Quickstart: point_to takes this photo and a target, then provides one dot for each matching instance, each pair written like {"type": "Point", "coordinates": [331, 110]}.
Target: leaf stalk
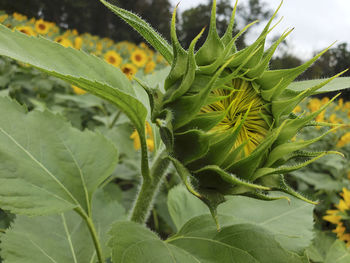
{"type": "Point", "coordinates": [92, 230]}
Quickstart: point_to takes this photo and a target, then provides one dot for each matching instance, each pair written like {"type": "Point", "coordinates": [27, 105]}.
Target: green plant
{"type": "Point", "coordinates": [60, 176]}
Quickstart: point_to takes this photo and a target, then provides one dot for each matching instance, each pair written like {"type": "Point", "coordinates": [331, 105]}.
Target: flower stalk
{"type": "Point", "coordinates": [149, 189]}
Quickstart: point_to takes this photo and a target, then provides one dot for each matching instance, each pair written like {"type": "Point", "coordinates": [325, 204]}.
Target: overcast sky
{"type": "Point", "coordinates": [317, 23]}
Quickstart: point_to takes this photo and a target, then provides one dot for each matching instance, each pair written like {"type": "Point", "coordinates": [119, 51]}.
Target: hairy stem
{"type": "Point", "coordinates": [95, 239]}
{"type": "Point", "coordinates": [149, 189]}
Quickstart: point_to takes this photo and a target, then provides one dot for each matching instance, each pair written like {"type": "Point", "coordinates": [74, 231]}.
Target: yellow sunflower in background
{"type": "Point", "coordinates": [26, 30]}
{"type": "Point", "coordinates": [345, 139]}
{"type": "Point", "coordinates": [78, 90]}
{"type": "Point", "coordinates": [78, 42]}
{"type": "Point", "coordinates": [150, 140]}
{"type": "Point", "coordinates": [54, 28]}
{"type": "Point", "coordinates": [42, 27]}
{"type": "Point", "coordinates": [150, 66]}
{"type": "Point", "coordinates": [129, 70]}
{"type": "Point", "coordinates": [31, 21]}
{"type": "Point", "coordinates": [19, 17]}
{"type": "Point", "coordinates": [340, 104]}
{"type": "Point", "coordinates": [314, 105]}
{"type": "Point", "coordinates": [139, 58]}
{"type": "Point", "coordinates": [99, 46]}
{"type": "Point", "coordinates": [3, 18]}
{"type": "Point", "coordinates": [341, 217]}
{"type": "Point", "coordinates": [297, 109]}
{"type": "Point", "coordinates": [113, 58]}
{"type": "Point", "coordinates": [64, 41]}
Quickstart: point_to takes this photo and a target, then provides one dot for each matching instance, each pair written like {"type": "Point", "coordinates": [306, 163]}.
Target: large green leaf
{"type": "Point", "coordinates": [235, 243]}
{"type": "Point", "coordinates": [338, 253]}
{"type": "Point", "coordinates": [290, 223]}
{"type": "Point", "coordinates": [131, 242]}
{"type": "Point", "coordinates": [183, 206]}
{"type": "Point", "coordinates": [320, 181]}
{"type": "Point", "coordinates": [245, 243]}
{"type": "Point", "coordinates": [46, 165]}
{"type": "Point", "coordinates": [144, 29]}
{"type": "Point", "coordinates": [339, 83]}
{"type": "Point", "coordinates": [60, 238]}
{"type": "Point", "coordinates": [79, 68]}
{"type": "Point", "coordinates": [320, 246]}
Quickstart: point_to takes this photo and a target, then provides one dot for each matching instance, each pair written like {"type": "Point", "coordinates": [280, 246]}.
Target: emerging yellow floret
{"type": "Point", "coordinates": [240, 101]}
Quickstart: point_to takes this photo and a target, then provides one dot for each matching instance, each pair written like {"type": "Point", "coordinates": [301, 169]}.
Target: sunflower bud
{"type": "Point", "coordinates": [227, 120]}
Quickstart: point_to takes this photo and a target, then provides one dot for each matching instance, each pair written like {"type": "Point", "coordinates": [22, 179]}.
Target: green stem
{"type": "Point", "coordinates": [107, 181]}
{"type": "Point", "coordinates": [155, 219]}
{"type": "Point", "coordinates": [116, 117]}
{"type": "Point", "coordinates": [149, 189]}
{"type": "Point", "coordinates": [92, 229]}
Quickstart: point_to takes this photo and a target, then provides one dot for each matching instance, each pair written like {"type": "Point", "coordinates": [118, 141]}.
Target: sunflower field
{"type": "Point", "coordinates": [124, 152]}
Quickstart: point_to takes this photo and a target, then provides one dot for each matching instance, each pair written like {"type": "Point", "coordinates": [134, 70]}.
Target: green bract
{"type": "Point", "coordinates": [227, 120]}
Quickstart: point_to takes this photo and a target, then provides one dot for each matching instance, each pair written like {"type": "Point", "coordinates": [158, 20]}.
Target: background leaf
{"type": "Point", "coordinates": [183, 206]}
{"type": "Point", "coordinates": [339, 83]}
{"type": "Point", "coordinates": [291, 224]}
{"type": "Point", "coordinates": [321, 181]}
{"type": "Point", "coordinates": [338, 253]}
{"type": "Point", "coordinates": [246, 243]}
{"type": "Point", "coordinates": [60, 238]}
{"type": "Point", "coordinates": [46, 165]}
{"type": "Point", "coordinates": [320, 246]}
{"type": "Point", "coordinates": [131, 242]}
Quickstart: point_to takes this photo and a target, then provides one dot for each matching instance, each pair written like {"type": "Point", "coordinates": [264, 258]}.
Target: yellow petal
{"type": "Point", "coordinates": [332, 212]}
{"type": "Point", "coordinates": [339, 230]}
{"type": "Point", "coordinates": [150, 145]}
{"type": "Point", "coordinates": [334, 219]}
{"type": "Point", "coordinates": [346, 196]}
{"type": "Point", "coordinates": [345, 237]}
{"type": "Point", "coordinates": [342, 206]}
{"type": "Point", "coordinates": [136, 138]}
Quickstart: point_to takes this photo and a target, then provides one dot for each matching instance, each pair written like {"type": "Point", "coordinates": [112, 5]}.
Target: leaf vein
{"type": "Point", "coordinates": [39, 164]}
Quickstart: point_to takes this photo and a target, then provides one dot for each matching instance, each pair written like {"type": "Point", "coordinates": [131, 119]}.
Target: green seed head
{"type": "Point", "coordinates": [227, 120]}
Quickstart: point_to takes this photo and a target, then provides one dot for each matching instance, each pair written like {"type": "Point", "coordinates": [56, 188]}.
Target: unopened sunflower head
{"type": "Point", "coordinates": [227, 120]}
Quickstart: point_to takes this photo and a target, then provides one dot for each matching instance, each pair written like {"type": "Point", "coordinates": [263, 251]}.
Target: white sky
{"type": "Point", "coordinates": [317, 23]}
